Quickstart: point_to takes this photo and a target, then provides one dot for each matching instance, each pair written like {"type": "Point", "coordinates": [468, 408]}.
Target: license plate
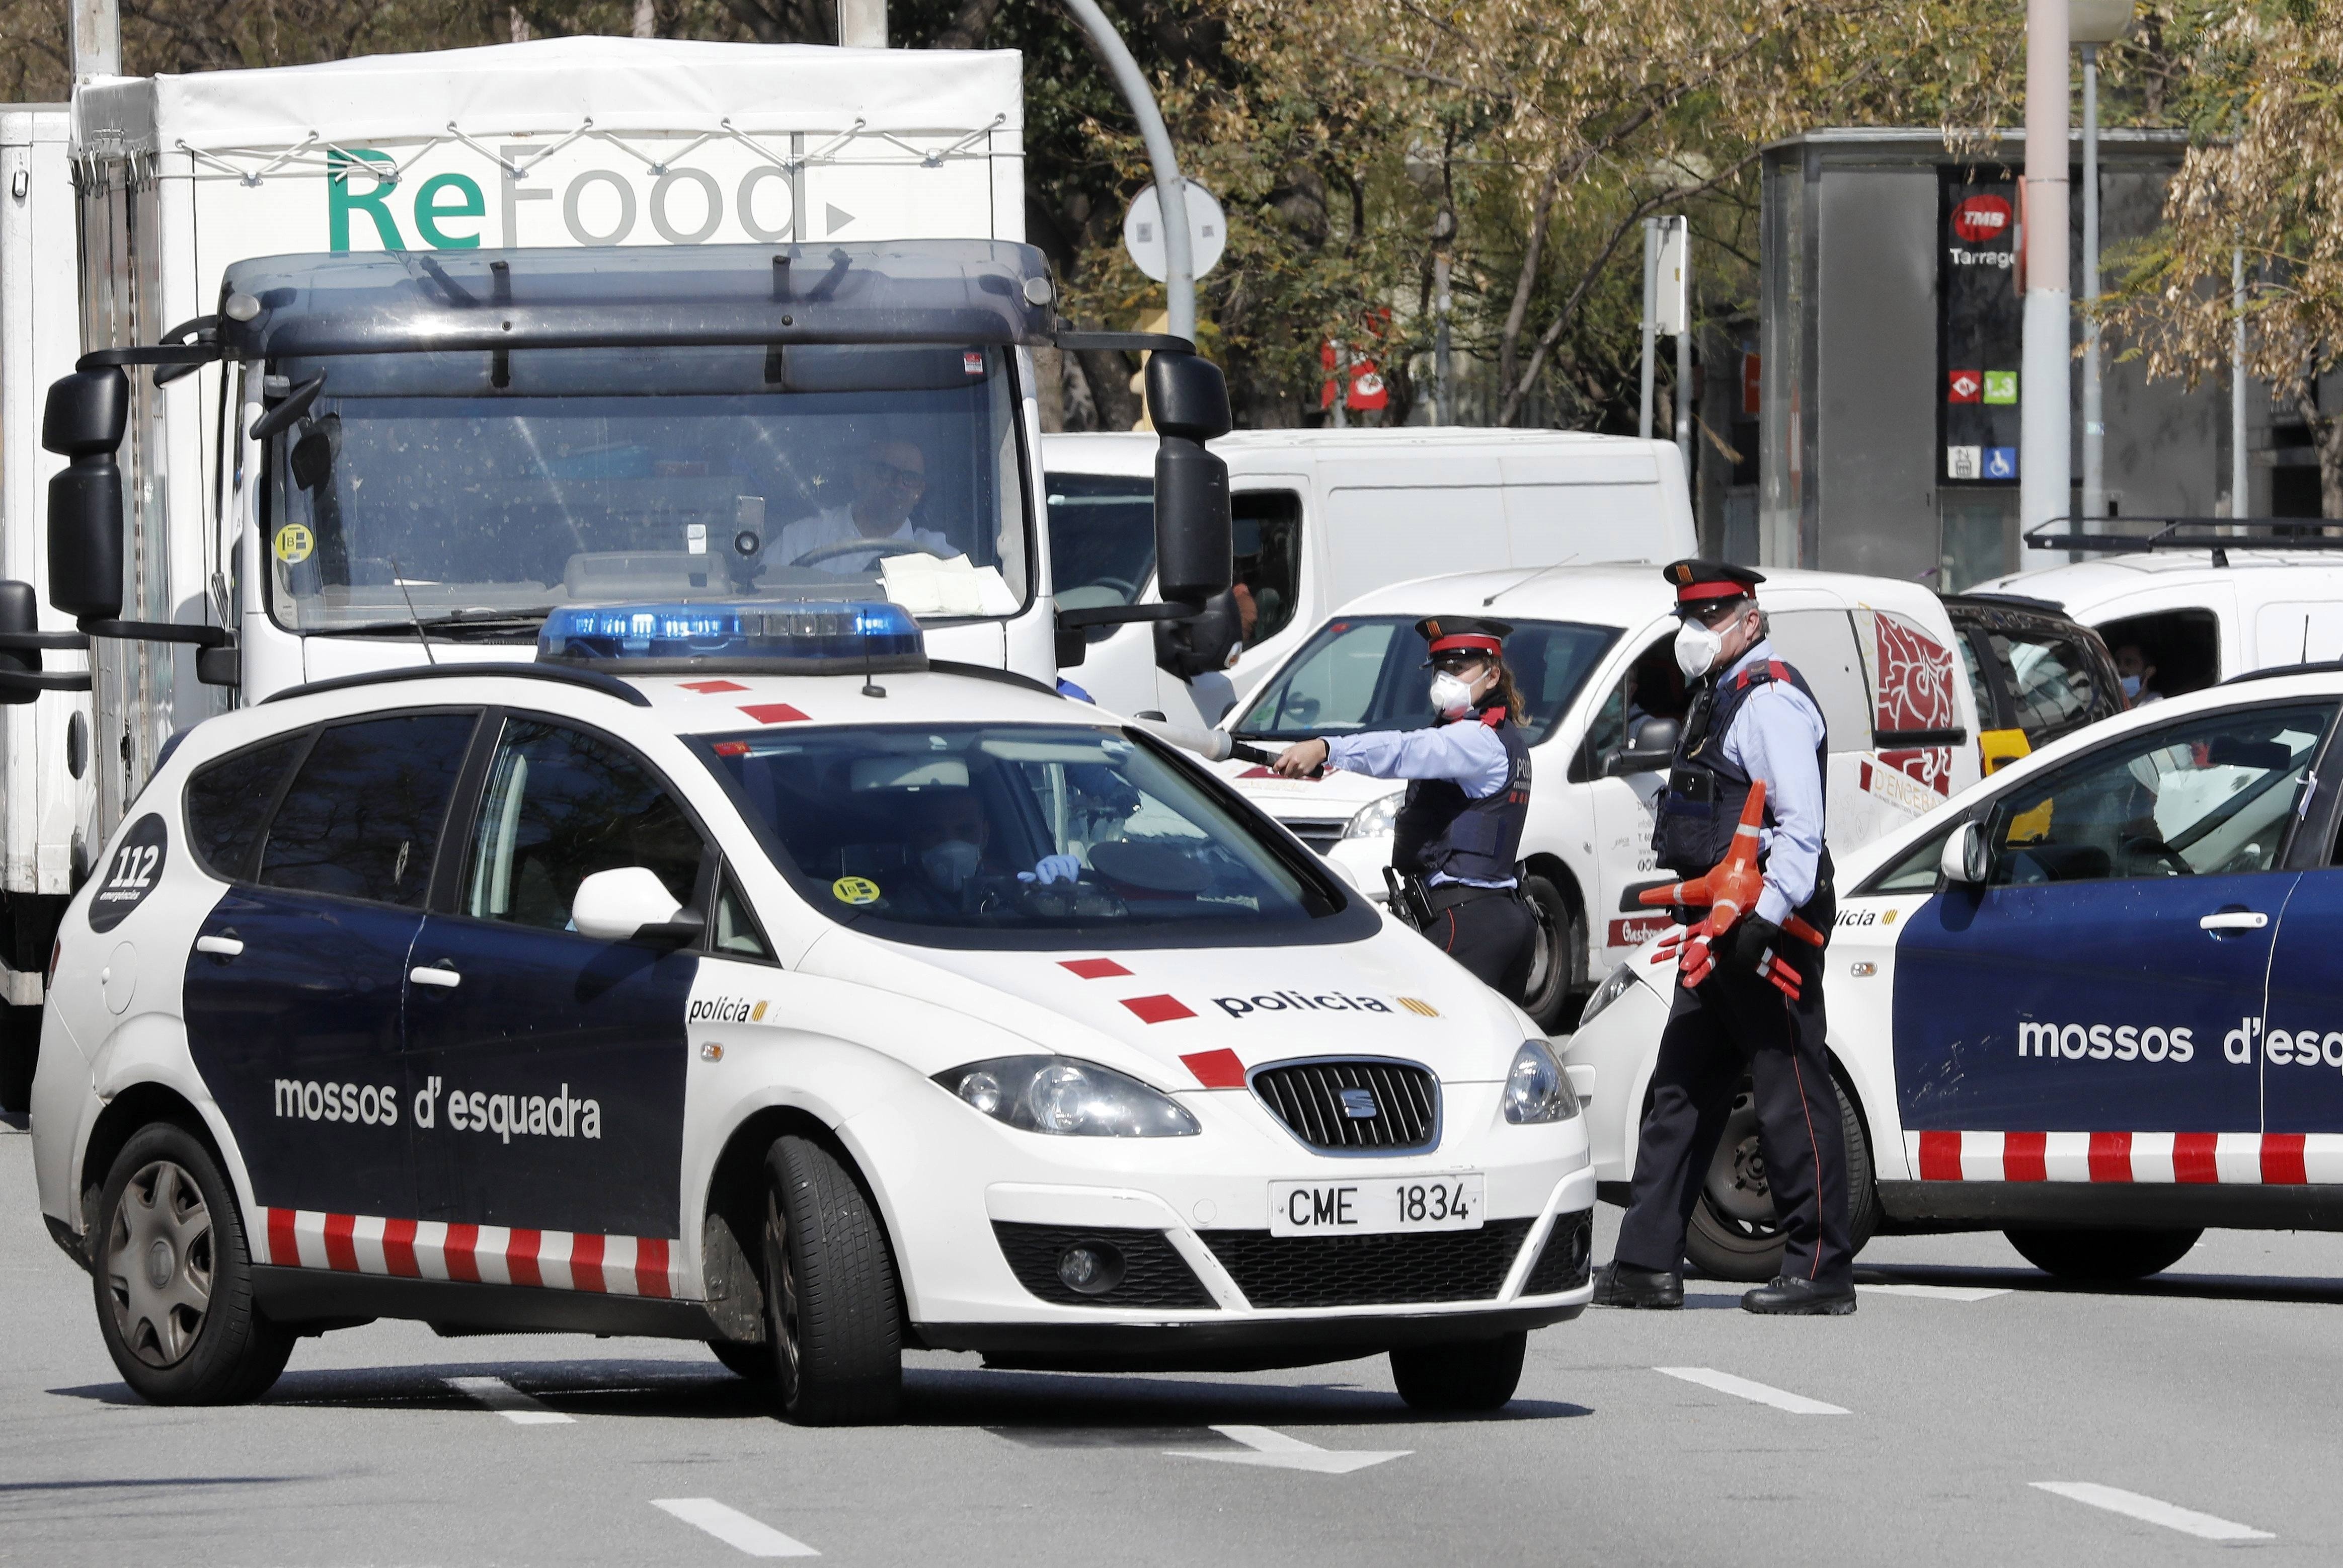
{"type": "Point", "coordinates": [1377, 1205]}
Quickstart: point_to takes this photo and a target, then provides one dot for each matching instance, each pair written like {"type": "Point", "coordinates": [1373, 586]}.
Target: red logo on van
{"type": "Point", "coordinates": [1981, 219]}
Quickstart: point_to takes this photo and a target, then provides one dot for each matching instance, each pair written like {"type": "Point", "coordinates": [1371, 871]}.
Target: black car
{"type": "Point", "coordinates": [2037, 674]}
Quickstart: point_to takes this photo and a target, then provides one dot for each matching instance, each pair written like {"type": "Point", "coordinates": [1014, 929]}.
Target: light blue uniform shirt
{"type": "Point", "coordinates": [1774, 738]}
{"type": "Point", "coordinates": [1466, 753]}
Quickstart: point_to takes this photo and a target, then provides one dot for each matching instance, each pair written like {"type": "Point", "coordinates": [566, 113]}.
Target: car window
{"type": "Point", "coordinates": [1101, 541]}
{"type": "Point", "coordinates": [1651, 687]}
{"type": "Point", "coordinates": [737, 932]}
{"type": "Point", "coordinates": [362, 819]}
{"type": "Point", "coordinates": [1267, 533]}
{"type": "Point", "coordinates": [2050, 679]}
{"type": "Point", "coordinates": [1367, 672]}
{"type": "Point", "coordinates": [2212, 796]}
{"type": "Point", "coordinates": [228, 800]}
{"type": "Point", "coordinates": [560, 805]}
{"type": "Point", "coordinates": [1820, 645]}
{"type": "Point", "coordinates": [1916, 872]}
{"type": "Point", "coordinates": [1988, 704]}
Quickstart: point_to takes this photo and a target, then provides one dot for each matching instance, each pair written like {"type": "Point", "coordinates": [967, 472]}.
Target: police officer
{"type": "Point", "coordinates": [1468, 797]}
{"type": "Point", "coordinates": [1753, 718]}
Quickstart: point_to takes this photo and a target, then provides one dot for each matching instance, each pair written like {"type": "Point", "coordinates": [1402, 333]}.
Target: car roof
{"type": "Point", "coordinates": [1128, 453]}
{"type": "Point", "coordinates": [2078, 586]}
{"type": "Point", "coordinates": [1624, 594]}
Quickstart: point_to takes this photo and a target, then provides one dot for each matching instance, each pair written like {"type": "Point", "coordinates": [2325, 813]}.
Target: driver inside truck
{"type": "Point", "coordinates": [889, 480]}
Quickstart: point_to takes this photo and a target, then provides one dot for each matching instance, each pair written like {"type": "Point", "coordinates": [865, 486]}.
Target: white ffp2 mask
{"type": "Point", "coordinates": [1450, 693]}
{"type": "Point", "coordinates": [1698, 647]}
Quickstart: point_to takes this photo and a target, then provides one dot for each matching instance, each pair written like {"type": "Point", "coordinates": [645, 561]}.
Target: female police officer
{"type": "Point", "coordinates": [1468, 797]}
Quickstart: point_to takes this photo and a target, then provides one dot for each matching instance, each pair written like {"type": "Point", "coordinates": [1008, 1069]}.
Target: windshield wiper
{"type": "Point", "coordinates": [489, 621]}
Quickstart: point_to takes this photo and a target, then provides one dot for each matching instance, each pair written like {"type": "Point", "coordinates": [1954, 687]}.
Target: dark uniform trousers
{"type": "Point", "coordinates": [1737, 1023]}
{"type": "Point", "coordinates": [1489, 933]}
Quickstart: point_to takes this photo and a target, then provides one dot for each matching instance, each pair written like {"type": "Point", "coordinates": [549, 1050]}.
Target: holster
{"type": "Point", "coordinates": [1409, 899]}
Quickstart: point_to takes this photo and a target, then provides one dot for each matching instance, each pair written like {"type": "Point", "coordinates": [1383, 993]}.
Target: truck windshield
{"type": "Point", "coordinates": [483, 489]}
{"type": "Point", "coordinates": [969, 834]}
{"type": "Point", "coordinates": [1366, 672]}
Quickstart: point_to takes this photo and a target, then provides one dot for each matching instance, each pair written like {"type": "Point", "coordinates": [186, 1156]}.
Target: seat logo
{"type": "Point", "coordinates": [1359, 1104]}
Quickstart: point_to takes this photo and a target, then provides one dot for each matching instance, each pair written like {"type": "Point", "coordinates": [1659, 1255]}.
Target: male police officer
{"type": "Point", "coordinates": [1753, 719]}
{"type": "Point", "coordinates": [1460, 827]}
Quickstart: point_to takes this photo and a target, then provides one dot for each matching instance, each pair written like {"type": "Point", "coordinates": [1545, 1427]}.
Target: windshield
{"type": "Point", "coordinates": [966, 834]}
{"type": "Point", "coordinates": [482, 489]}
{"type": "Point", "coordinates": [1102, 539]}
{"type": "Point", "coordinates": [1366, 672]}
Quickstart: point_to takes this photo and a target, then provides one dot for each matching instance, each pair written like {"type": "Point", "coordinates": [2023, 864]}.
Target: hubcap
{"type": "Point", "coordinates": [1736, 1190]}
{"type": "Point", "coordinates": [159, 1261]}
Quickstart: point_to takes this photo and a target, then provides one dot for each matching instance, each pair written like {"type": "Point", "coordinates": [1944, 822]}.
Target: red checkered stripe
{"type": "Point", "coordinates": [481, 1254]}
{"type": "Point", "coordinates": [2229, 1159]}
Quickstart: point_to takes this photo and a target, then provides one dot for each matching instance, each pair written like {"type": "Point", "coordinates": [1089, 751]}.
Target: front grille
{"type": "Point", "coordinates": [1153, 1273]}
{"type": "Point", "coordinates": [1319, 835]}
{"type": "Point", "coordinates": [1394, 1106]}
{"type": "Point", "coordinates": [1370, 1271]}
{"type": "Point", "coordinates": [1561, 1261]}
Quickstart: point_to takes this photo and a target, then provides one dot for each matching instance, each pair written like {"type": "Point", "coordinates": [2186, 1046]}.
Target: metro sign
{"type": "Point", "coordinates": [1981, 219]}
{"type": "Point", "coordinates": [1964, 386]}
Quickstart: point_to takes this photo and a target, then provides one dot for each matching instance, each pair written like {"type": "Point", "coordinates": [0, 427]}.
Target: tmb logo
{"type": "Point", "coordinates": [1982, 219]}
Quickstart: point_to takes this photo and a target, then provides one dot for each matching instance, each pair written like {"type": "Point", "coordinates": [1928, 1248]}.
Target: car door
{"type": "Point", "coordinates": [1619, 805]}
{"type": "Point", "coordinates": [550, 1066]}
{"type": "Point", "coordinates": [294, 992]}
{"type": "Point", "coordinates": [2301, 1042]}
{"type": "Point", "coordinates": [2108, 975]}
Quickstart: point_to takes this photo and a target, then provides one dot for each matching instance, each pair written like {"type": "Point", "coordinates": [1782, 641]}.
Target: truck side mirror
{"type": "Point", "coordinates": [1188, 403]}
{"type": "Point", "coordinates": [1199, 644]}
{"type": "Point", "coordinates": [87, 413]}
{"type": "Point", "coordinates": [1651, 747]}
{"type": "Point", "coordinates": [20, 613]}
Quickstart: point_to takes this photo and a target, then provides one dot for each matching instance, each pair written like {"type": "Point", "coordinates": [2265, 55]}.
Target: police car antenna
{"type": "Point", "coordinates": [869, 687]}
{"type": "Point", "coordinates": [398, 575]}
{"type": "Point", "coordinates": [1529, 580]}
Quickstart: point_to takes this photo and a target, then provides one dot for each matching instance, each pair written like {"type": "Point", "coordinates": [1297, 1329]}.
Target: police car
{"type": "Point", "coordinates": [739, 975]}
{"type": "Point", "coordinates": [2096, 1002]}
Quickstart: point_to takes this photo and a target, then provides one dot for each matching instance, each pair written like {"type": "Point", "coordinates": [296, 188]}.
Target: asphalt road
{"type": "Point", "coordinates": [1928, 1428]}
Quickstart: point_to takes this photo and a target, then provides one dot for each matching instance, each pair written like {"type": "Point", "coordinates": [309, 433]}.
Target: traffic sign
{"type": "Point", "coordinates": [1143, 231]}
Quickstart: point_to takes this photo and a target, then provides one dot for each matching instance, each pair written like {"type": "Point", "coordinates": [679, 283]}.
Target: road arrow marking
{"type": "Point", "coordinates": [1276, 1450]}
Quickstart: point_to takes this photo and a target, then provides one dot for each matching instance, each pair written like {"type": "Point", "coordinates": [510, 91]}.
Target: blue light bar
{"type": "Point", "coordinates": [793, 639]}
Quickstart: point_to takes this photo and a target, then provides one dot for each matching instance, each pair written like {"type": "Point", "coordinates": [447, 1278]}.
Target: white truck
{"type": "Point", "coordinates": [386, 358]}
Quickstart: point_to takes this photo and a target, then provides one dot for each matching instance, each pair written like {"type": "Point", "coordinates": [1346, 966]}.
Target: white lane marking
{"type": "Point", "coordinates": [733, 1527]}
{"type": "Point", "coordinates": [507, 1401]}
{"type": "Point", "coordinates": [2116, 1500]}
{"type": "Point", "coordinates": [1763, 1393]}
{"type": "Point", "coordinates": [1275, 1450]}
{"type": "Point", "coordinates": [1935, 1292]}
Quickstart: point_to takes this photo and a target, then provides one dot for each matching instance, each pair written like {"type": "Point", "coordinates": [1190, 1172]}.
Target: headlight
{"type": "Point", "coordinates": [1374, 819]}
{"type": "Point", "coordinates": [1536, 1088]}
{"type": "Point", "coordinates": [1070, 1098]}
{"type": "Point", "coordinates": [1622, 979]}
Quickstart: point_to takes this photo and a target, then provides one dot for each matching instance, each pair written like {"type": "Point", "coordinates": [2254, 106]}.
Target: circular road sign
{"type": "Point", "coordinates": [1143, 231]}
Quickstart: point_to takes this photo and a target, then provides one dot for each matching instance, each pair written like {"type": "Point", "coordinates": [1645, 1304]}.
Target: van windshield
{"type": "Point", "coordinates": [1366, 672]}
{"type": "Point", "coordinates": [482, 489]}
{"type": "Point", "coordinates": [961, 834]}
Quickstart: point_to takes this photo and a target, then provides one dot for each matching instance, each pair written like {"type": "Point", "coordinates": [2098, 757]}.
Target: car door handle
{"type": "Point", "coordinates": [2234, 921]}
{"type": "Point", "coordinates": [227, 947]}
{"type": "Point", "coordinates": [431, 974]}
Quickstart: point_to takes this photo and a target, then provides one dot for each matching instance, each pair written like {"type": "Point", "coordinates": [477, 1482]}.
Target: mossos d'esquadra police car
{"type": "Point", "coordinates": [738, 975]}
{"type": "Point", "coordinates": [2096, 1002]}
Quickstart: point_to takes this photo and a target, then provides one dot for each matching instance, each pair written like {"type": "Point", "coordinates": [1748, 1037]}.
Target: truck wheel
{"type": "Point", "coordinates": [2103, 1256]}
{"type": "Point", "coordinates": [1476, 1375]}
{"type": "Point", "coordinates": [1558, 942]}
{"type": "Point", "coordinates": [754, 1362]}
{"type": "Point", "coordinates": [1735, 1233]}
{"type": "Point", "coordinates": [830, 1311]}
{"type": "Point", "coordinates": [174, 1278]}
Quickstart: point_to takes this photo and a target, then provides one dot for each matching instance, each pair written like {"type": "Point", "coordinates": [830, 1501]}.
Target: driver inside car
{"type": "Point", "coordinates": [889, 480]}
{"type": "Point", "coordinates": [949, 839]}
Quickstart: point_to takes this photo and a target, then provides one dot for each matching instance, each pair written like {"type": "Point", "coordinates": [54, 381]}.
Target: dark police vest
{"type": "Point", "coordinates": [1705, 793]}
{"type": "Point", "coordinates": [1440, 829]}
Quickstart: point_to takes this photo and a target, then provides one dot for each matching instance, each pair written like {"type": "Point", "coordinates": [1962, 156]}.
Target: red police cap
{"type": "Point", "coordinates": [1461, 635]}
{"type": "Point", "coordinates": [1701, 582]}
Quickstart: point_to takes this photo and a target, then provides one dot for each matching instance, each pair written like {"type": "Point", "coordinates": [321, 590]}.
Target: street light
{"type": "Point", "coordinates": [2089, 25]}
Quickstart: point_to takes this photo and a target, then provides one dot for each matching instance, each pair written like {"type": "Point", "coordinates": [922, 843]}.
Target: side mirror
{"type": "Point", "coordinates": [279, 419]}
{"type": "Point", "coordinates": [87, 413]}
{"type": "Point", "coordinates": [1188, 403]}
{"type": "Point", "coordinates": [20, 613]}
{"type": "Point", "coordinates": [1967, 857]}
{"type": "Point", "coordinates": [1651, 747]}
{"type": "Point", "coordinates": [630, 903]}
{"type": "Point", "coordinates": [1200, 644]}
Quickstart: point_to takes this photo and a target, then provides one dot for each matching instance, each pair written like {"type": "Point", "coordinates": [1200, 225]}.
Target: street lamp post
{"type": "Point", "coordinates": [2045, 426]}
{"type": "Point", "coordinates": [2090, 25]}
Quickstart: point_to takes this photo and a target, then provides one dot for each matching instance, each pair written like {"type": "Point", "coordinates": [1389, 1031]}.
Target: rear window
{"type": "Point", "coordinates": [363, 816]}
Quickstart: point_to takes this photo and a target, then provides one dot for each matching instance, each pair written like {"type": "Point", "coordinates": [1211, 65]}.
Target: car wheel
{"type": "Point", "coordinates": [1735, 1233]}
{"type": "Point", "coordinates": [2103, 1256]}
{"type": "Point", "coordinates": [1476, 1375]}
{"type": "Point", "coordinates": [830, 1312]}
{"type": "Point", "coordinates": [1557, 939]}
{"type": "Point", "coordinates": [174, 1278]}
{"type": "Point", "coordinates": [754, 1362]}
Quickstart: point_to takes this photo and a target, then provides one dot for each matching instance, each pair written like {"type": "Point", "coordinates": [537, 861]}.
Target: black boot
{"type": "Point", "coordinates": [1800, 1297]}
{"type": "Point", "coordinates": [1620, 1284]}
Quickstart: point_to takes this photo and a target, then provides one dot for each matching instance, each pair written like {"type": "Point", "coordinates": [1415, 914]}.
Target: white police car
{"type": "Point", "coordinates": [738, 975]}
{"type": "Point", "coordinates": [2096, 1002]}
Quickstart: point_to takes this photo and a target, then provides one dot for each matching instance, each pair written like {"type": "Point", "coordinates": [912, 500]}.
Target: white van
{"type": "Point", "coordinates": [1590, 646]}
{"type": "Point", "coordinates": [1324, 516]}
{"type": "Point", "coordinates": [2201, 615]}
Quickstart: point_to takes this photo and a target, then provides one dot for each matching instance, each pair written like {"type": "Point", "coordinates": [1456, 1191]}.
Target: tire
{"type": "Point", "coordinates": [1735, 1233]}
{"type": "Point", "coordinates": [1557, 955]}
{"type": "Point", "coordinates": [2103, 1256]}
{"type": "Point", "coordinates": [832, 1312]}
{"type": "Point", "coordinates": [754, 1362]}
{"type": "Point", "coordinates": [1476, 1375]}
{"type": "Point", "coordinates": [193, 1336]}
